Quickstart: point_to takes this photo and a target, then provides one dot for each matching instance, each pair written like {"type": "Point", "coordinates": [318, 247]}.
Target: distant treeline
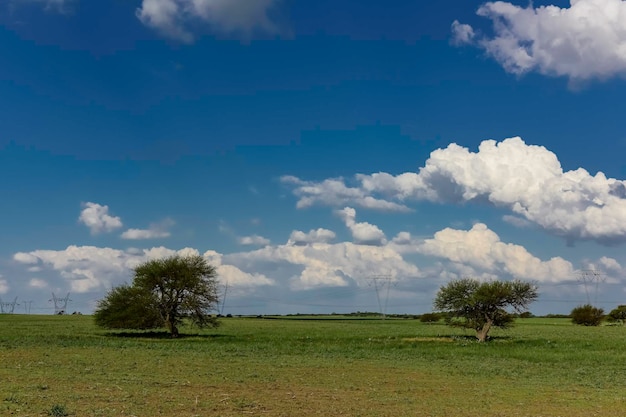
{"type": "Point", "coordinates": [424, 317]}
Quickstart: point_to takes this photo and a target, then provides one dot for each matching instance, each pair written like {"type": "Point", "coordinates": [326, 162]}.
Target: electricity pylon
{"type": "Point", "coordinates": [591, 277]}
{"type": "Point", "coordinates": [27, 305]}
{"type": "Point", "coordinates": [381, 283]}
{"type": "Point", "coordinates": [8, 307]}
{"type": "Point", "coordinates": [60, 304]}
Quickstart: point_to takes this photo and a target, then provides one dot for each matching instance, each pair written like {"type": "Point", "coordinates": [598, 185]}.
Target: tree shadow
{"type": "Point", "coordinates": [162, 335]}
{"type": "Point", "coordinates": [472, 338]}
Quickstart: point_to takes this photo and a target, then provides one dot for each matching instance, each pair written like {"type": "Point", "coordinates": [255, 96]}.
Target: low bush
{"type": "Point", "coordinates": [618, 315]}
{"type": "Point", "coordinates": [587, 315]}
{"type": "Point", "coordinates": [430, 317]}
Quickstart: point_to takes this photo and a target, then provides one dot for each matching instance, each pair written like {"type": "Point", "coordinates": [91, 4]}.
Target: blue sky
{"type": "Point", "coordinates": [307, 148]}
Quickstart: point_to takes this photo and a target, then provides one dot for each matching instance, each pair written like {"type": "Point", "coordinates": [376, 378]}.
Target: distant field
{"type": "Point", "coordinates": [55, 365]}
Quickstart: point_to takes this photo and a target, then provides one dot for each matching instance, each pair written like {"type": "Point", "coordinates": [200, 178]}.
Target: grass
{"type": "Point", "coordinates": [295, 367]}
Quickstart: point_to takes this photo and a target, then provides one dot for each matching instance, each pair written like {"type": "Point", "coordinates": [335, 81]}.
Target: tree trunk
{"type": "Point", "coordinates": [481, 334]}
{"type": "Point", "coordinates": [171, 327]}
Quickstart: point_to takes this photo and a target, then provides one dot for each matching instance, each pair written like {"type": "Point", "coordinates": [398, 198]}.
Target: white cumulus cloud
{"type": "Point", "coordinates": [4, 286]}
{"type": "Point", "coordinates": [527, 180]}
{"type": "Point", "coordinates": [233, 276]}
{"type": "Point", "coordinates": [363, 233]}
{"type": "Point", "coordinates": [253, 240]}
{"type": "Point", "coordinates": [461, 33]}
{"type": "Point", "coordinates": [334, 192]}
{"type": "Point", "coordinates": [95, 269]}
{"type": "Point", "coordinates": [482, 249]}
{"type": "Point", "coordinates": [586, 40]}
{"type": "Point", "coordinates": [176, 18]}
{"type": "Point", "coordinates": [320, 235]}
{"type": "Point", "coordinates": [25, 258]}
{"type": "Point", "coordinates": [329, 265]}
{"type": "Point", "coordinates": [156, 230]}
{"type": "Point", "coordinates": [138, 234]}
{"type": "Point", "coordinates": [37, 283]}
{"type": "Point", "coordinates": [97, 218]}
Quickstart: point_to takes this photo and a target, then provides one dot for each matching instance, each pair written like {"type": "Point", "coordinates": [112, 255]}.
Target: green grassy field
{"type": "Point", "coordinates": [56, 365]}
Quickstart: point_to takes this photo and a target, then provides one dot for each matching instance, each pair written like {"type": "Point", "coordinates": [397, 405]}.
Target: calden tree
{"type": "Point", "coordinates": [480, 305]}
{"type": "Point", "coordinates": [164, 292]}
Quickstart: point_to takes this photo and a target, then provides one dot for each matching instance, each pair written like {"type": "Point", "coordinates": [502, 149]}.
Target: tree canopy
{"type": "Point", "coordinates": [618, 315]}
{"type": "Point", "coordinates": [164, 292]}
{"type": "Point", "coordinates": [480, 305]}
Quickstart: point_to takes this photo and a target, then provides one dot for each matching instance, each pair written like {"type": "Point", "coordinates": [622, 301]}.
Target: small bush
{"type": "Point", "coordinates": [587, 315]}
{"type": "Point", "coordinates": [58, 411]}
{"type": "Point", "coordinates": [618, 315]}
{"type": "Point", "coordinates": [430, 317]}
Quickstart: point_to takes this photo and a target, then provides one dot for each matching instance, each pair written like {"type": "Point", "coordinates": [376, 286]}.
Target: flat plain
{"type": "Point", "coordinates": [310, 366]}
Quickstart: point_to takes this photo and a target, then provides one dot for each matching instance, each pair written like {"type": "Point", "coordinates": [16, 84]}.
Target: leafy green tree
{"type": "Point", "coordinates": [618, 315]}
{"type": "Point", "coordinates": [587, 315]}
{"type": "Point", "coordinates": [127, 307]}
{"type": "Point", "coordinates": [164, 292]}
{"type": "Point", "coordinates": [482, 305]}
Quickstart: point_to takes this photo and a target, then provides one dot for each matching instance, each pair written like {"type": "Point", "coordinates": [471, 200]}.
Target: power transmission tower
{"type": "Point", "coordinates": [591, 278]}
{"type": "Point", "coordinates": [60, 304]}
{"type": "Point", "coordinates": [224, 298]}
{"type": "Point", "coordinates": [8, 307]}
{"type": "Point", "coordinates": [27, 305]}
{"type": "Point", "coordinates": [381, 283]}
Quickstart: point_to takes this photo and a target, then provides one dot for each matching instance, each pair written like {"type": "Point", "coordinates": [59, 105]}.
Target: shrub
{"type": "Point", "coordinates": [430, 317]}
{"type": "Point", "coordinates": [58, 411]}
{"type": "Point", "coordinates": [587, 315]}
{"type": "Point", "coordinates": [618, 315]}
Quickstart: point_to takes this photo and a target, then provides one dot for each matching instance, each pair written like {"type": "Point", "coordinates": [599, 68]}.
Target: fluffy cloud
{"type": "Point", "coordinates": [4, 286]}
{"type": "Point", "coordinates": [37, 283]}
{"type": "Point", "coordinates": [328, 265]}
{"type": "Point", "coordinates": [25, 258]}
{"type": "Point", "coordinates": [234, 277]}
{"type": "Point", "coordinates": [92, 269]}
{"type": "Point", "coordinates": [138, 234]}
{"type": "Point", "coordinates": [97, 218]}
{"type": "Point", "coordinates": [253, 240]}
{"type": "Point", "coordinates": [526, 179]}
{"type": "Point", "coordinates": [363, 233]}
{"type": "Point", "coordinates": [584, 41]}
{"type": "Point", "coordinates": [342, 272]}
{"type": "Point", "coordinates": [516, 221]}
{"type": "Point", "coordinates": [334, 192]}
{"type": "Point", "coordinates": [462, 33]}
{"type": "Point", "coordinates": [481, 249]}
{"type": "Point", "coordinates": [175, 18]}
{"type": "Point", "coordinates": [320, 235]}
{"type": "Point", "coordinates": [156, 230]}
